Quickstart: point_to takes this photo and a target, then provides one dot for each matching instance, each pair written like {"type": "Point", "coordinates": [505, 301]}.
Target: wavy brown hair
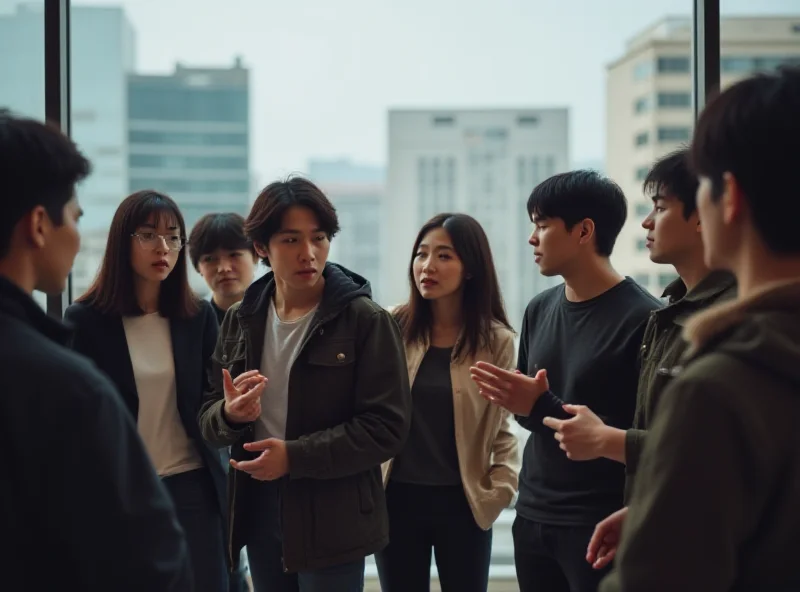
{"type": "Point", "coordinates": [113, 291]}
{"type": "Point", "coordinates": [482, 302]}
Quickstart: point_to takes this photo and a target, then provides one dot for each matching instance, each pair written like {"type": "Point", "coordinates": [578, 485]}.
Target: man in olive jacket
{"type": "Point", "coordinates": [310, 389]}
{"type": "Point", "coordinates": [715, 507]}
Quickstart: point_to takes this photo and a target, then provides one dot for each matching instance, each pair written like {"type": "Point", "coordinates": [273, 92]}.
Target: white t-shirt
{"type": "Point", "coordinates": [150, 347]}
{"type": "Point", "coordinates": [282, 342]}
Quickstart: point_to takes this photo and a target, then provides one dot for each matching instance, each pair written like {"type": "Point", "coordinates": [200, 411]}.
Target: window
{"type": "Point", "coordinates": [674, 134]}
{"type": "Point", "coordinates": [643, 210]}
{"type": "Point", "coordinates": [527, 120]}
{"type": "Point", "coordinates": [738, 65]}
{"type": "Point", "coordinates": [641, 173]}
{"type": "Point", "coordinates": [674, 100]}
{"type": "Point", "coordinates": [643, 70]}
{"type": "Point", "coordinates": [166, 99]}
{"type": "Point", "coordinates": [443, 121]}
{"type": "Point", "coordinates": [641, 139]}
{"type": "Point", "coordinates": [186, 162]}
{"type": "Point", "coordinates": [641, 244]}
{"type": "Point", "coordinates": [673, 65]}
{"type": "Point", "coordinates": [641, 105]}
{"type": "Point", "coordinates": [187, 138]}
{"type": "Point", "coordinates": [643, 279]}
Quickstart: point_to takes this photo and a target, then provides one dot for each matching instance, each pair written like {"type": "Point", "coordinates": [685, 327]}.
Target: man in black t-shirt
{"type": "Point", "coordinates": [581, 339]}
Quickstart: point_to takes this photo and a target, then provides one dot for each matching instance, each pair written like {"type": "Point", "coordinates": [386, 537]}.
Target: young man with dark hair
{"type": "Point", "coordinates": [79, 489]}
{"type": "Point", "coordinates": [673, 238]}
{"type": "Point", "coordinates": [224, 256]}
{"type": "Point", "coordinates": [715, 503]}
{"type": "Point", "coordinates": [307, 496]}
{"type": "Point", "coordinates": [581, 339]}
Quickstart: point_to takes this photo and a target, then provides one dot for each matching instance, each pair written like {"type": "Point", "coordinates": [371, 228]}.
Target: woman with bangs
{"type": "Point", "coordinates": [459, 467]}
{"type": "Point", "coordinates": [141, 325]}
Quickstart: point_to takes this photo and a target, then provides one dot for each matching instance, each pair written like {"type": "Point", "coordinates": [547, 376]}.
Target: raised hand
{"type": "Point", "coordinates": [512, 390]}
{"type": "Point", "coordinates": [243, 395]}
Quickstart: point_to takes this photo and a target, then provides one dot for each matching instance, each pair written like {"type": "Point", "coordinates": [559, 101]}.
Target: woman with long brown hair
{"type": "Point", "coordinates": [141, 325]}
{"type": "Point", "coordinates": [459, 466]}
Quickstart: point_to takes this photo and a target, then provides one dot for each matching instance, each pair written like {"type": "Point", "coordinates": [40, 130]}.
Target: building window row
{"type": "Point", "coordinates": [728, 65]}
{"type": "Point", "coordinates": [664, 100]}
{"type": "Point", "coordinates": [190, 185]}
{"type": "Point", "coordinates": [187, 138]}
{"type": "Point", "coordinates": [158, 161]}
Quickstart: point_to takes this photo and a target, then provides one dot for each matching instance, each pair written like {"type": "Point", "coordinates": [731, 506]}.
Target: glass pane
{"type": "Point", "coordinates": [393, 131]}
{"type": "Point", "coordinates": [22, 64]}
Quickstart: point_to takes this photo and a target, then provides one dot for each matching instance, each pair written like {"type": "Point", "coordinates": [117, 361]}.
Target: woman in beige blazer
{"type": "Point", "coordinates": [458, 469]}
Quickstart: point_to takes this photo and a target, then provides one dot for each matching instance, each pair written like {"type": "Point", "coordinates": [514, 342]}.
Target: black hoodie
{"type": "Point", "coordinates": [349, 410]}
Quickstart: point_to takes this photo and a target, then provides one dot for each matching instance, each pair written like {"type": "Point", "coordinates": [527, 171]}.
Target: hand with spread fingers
{"type": "Point", "coordinates": [605, 540]}
{"type": "Point", "coordinates": [512, 390]}
{"type": "Point", "coordinates": [243, 396]}
{"type": "Point", "coordinates": [271, 464]}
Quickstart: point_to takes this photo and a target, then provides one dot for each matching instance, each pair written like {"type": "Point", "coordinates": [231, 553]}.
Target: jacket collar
{"type": "Point", "coordinates": [15, 302]}
{"type": "Point", "coordinates": [705, 326]}
{"type": "Point", "coordinates": [711, 286]}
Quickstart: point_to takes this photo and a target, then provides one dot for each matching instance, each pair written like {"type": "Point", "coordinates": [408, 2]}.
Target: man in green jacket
{"type": "Point", "coordinates": [715, 503]}
{"type": "Point", "coordinates": [310, 389]}
{"type": "Point", "coordinates": [673, 238]}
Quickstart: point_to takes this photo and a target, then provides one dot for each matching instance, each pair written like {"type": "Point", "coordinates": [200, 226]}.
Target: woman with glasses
{"type": "Point", "coordinates": [141, 324]}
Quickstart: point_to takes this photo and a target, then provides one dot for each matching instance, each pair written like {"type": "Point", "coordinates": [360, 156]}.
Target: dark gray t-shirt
{"type": "Point", "coordinates": [430, 456]}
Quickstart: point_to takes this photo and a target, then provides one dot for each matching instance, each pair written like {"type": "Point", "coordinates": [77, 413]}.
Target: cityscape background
{"type": "Point", "coordinates": [398, 110]}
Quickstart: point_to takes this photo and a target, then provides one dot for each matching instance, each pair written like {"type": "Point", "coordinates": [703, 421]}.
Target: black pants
{"type": "Point", "coordinates": [199, 514]}
{"type": "Point", "coordinates": [426, 518]}
{"type": "Point", "coordinates": [552, 558]}
{"type": "Point", "coordinates": [265, 552]}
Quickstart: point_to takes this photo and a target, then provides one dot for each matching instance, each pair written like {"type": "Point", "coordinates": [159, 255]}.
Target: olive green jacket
{"type": "Point", "coordinates": [662, 348]}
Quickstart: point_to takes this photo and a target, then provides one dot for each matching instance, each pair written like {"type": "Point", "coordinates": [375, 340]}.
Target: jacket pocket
{"type": "Point", "coordinates": [339, 352]}
{"type": "Point", "coordinates": [234, 357]}
{"type": "Point", "coordinates": [344, 517]}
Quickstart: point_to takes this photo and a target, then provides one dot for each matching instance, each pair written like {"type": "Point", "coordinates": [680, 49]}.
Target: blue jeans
{"type": "Point", "coordinates": [264, 552]}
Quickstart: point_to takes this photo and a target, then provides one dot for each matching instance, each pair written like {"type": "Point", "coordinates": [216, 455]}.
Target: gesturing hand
{"type": "Point", "coordinates": [271, 464]}
{"type": "Point", "coordinates": [605, 540]}
{"type": "Point", "coordinates": [243, 395]}
{"type": "Point", "coordinates": [514, 391]}
{"type": "Point", "coordinates": [583, 436]}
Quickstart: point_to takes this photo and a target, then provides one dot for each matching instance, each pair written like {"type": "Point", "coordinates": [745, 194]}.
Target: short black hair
{"type": "Point", "coordinates": [752, 131]}
{"type": "Point", "coordinates": [578, 195]}
{"type": "Point", "coordinates": [672, 176]}
{"type": "Point", "coordinates": [266, 215]}
{"type": "Point", "coordinates": [218, 231]}
{"type": "Point", "coordinates": [39, 166]}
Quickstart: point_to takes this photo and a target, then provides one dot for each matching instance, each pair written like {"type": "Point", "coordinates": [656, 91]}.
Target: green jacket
{"type": "Point", "coordinates": [662, 348]}
{"type": "Point", "coordinates": [715, 507]}
{"type": "Point", "coordinates": [349, 410]}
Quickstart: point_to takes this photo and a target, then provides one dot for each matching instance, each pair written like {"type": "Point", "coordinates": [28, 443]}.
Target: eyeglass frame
{"type": "Point", "coordinates": [164, 239]}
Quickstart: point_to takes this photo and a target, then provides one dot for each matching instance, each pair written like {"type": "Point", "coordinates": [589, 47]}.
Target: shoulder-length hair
{"type": "Point", "coordinates": [113, 290]}
{"type": "Point", "coordinates": [482, 302]}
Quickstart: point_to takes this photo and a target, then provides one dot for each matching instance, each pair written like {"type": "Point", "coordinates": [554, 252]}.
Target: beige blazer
{"type": "Point", "coordinates": [488, 453]}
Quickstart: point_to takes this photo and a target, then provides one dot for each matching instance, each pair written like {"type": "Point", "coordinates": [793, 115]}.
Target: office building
{"type": "Point", "coordinates": [649, 109]}
{"type": "Point", "coordinates": [189, 137]}
{"type": "Point", "coordinates": [481, 162]}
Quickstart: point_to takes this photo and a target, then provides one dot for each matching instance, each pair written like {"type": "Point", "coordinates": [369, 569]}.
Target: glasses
{"type": "Point", "coordinates": [150, 240]}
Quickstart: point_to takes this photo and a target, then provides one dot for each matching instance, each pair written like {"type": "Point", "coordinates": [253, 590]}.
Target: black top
{"type": "Point", "coordinates": [101, 338]}
{"type": "Point", "coordinates": [430, 456]}
{"type": "Point", "coordinates": [220, 314]}
{"type": "Point", "coordinates": [590, 351]}
{"type": "Point", "coordinates": [99, 514]}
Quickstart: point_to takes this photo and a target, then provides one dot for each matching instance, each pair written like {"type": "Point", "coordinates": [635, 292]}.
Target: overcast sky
{"type": "Point", "coordinates": [324, 72]}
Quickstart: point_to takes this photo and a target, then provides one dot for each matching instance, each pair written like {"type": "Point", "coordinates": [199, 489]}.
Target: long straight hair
{"type": "Point", "coordinates": [482, 302]}
{"type": "Point", "coordinates": [113, 290]}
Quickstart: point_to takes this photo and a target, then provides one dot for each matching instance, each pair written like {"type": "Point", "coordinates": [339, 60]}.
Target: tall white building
{"type": "Point", "coordinates": [481, 162]}
{"type": "Point", "coordinates": [649, 109]}
{"type": "Point", "coordinates": [102, 53]}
